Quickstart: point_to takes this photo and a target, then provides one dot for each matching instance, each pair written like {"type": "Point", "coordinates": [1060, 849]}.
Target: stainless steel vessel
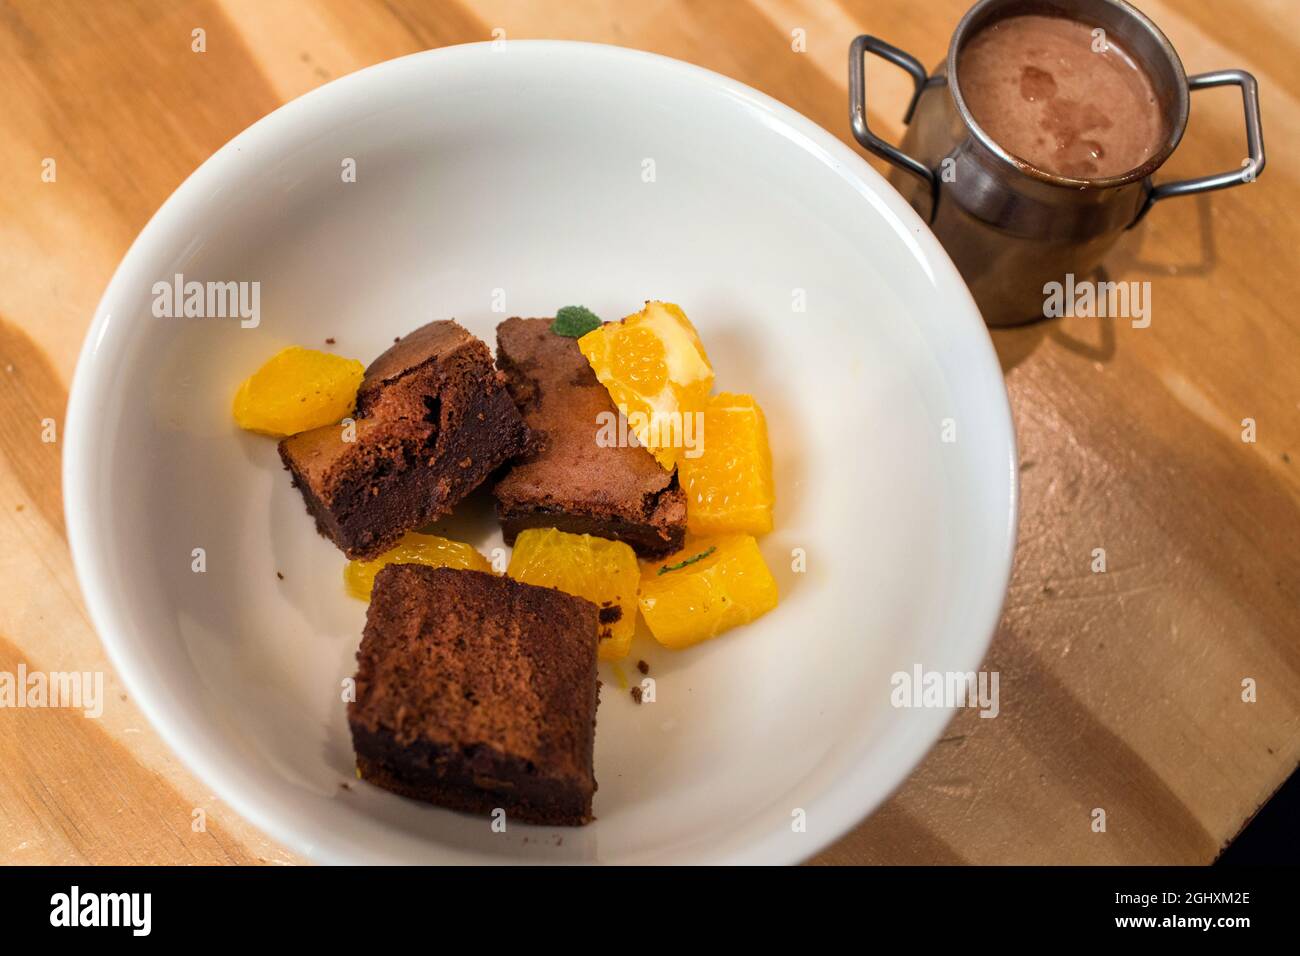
{"type": "Point", "coordinates": [1010, 227]}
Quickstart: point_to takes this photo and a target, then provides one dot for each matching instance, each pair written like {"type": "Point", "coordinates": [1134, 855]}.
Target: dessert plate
{"type": "Point", "coordinates": [481, 182]}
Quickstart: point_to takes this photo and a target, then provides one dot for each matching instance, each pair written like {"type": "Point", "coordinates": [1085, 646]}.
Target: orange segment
{"type": "Point", "coordinates": [436, 552]}
{"type": "Point", "coordinates": [639, 361]}
{"type": "Point", "coordinates": [604, 572]}
{"type": "Point", "coordinates": [654, 366]}
{"type": "Point", "coordinates": [296, 390]}
{"type": "Point", "coordinates": [729, 486]}
{"type": "Point", "coordinates": [710, 586]}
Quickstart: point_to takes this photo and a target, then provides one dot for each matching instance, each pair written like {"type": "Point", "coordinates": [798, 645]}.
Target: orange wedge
{"type": "Point", "coordinates": [414, 548]}
{"type": "Point", "coordinates": [655, 368]}
{"type": "Point", "coordinates": [710, 586]}
{"type": "Point", "coordinates": [729, 485]}
{"type": "Point", "coordinates": [296, 390]}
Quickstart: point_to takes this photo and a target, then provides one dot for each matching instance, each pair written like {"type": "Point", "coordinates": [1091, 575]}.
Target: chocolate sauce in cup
{"type": "Point", "coordinates": [1051, 93]}
{"type": "Point", "coordinates": [1032, 147]}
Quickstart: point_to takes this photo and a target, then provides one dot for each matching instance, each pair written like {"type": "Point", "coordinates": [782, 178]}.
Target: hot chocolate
{"type": "Point", "coordinates": [1062, 97]}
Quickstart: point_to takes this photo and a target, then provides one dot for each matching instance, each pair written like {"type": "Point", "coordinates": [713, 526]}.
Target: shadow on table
{"type": "Point", "coordinates": [1014, 345]}
{"type": "Point", "coordinates": [1126, 260]}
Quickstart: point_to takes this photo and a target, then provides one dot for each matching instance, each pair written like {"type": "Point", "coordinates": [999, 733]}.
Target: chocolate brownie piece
{"type": "Point", "coordinates": [567, 479]}
{"type": "Point", "coordinates": [475, 691]}
{"type": "Point", "coordinates": [433, 420]}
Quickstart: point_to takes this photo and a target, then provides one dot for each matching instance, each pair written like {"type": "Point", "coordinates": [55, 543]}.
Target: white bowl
{"type": "Point", "coordinates": [520, 178]}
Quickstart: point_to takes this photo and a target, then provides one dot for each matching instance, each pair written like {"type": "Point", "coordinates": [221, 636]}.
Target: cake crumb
{"type": "Point", "coordinates": [636, 694]}
{"type": "Point", "coordinates": [330, 340]}
{"type": "Point", "coordinates": [610, 613]}
{"type": "Point", "coordinates": [643, 667]}
{"type": "Point", "coordinates": [279, 575]}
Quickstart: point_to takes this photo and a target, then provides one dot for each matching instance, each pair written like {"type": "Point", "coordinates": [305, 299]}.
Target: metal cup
{"type": "Point", "coordinates": [1010, 227]}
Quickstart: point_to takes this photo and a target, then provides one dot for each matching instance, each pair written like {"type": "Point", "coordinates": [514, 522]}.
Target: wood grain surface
{"type": "Point", "coordinates": [1120, 690]}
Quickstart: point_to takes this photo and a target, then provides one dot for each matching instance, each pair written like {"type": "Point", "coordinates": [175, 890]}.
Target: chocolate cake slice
{"type": "Point", "coordinates": [568, 479]}
{"type": "Point", "coordinates": [475, 692]}
{"type": "Point", "coordinates": [433, 420]}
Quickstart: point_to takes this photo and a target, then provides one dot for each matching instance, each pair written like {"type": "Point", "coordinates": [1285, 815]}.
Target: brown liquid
{"type": "Point", "coordinates": [1038, 88]}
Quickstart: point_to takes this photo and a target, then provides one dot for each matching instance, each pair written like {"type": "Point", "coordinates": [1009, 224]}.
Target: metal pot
{"type": "Point", "coordinates": [1010, 227]}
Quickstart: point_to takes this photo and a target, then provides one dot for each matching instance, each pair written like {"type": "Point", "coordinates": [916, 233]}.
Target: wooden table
{"type": "Point", "coordinates": [1120, 691]}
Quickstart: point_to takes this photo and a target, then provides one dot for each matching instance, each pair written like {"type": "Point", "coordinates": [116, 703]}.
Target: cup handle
{"type": "Point", "coordinates": [1249, 170]}
{"type": "Point", "coordinates": [858, 104]}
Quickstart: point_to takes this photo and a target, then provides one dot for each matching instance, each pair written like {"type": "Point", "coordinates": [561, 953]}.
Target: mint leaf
{"type": "Point", "coordinates": [681, 564]}
{"type": "Point", "coordinates": [575, 321]}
